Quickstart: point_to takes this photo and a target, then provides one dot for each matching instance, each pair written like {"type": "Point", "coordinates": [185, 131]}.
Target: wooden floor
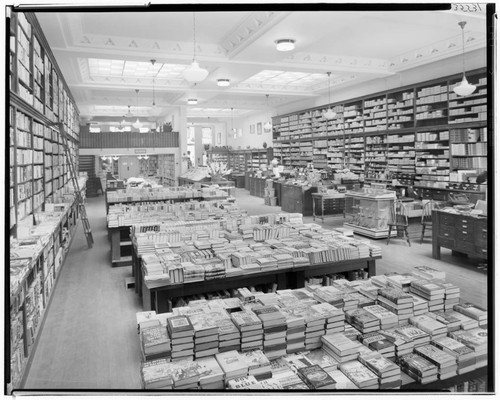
{"type": "Point", "coordinates": [89, 339]}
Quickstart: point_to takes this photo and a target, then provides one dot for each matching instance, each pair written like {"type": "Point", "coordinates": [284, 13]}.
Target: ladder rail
{"type": "Point", "coordinates": [78, 195]}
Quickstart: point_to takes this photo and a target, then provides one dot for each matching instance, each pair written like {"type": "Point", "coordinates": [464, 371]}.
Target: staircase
{"type": "Point", "coordinates": [87, 164]}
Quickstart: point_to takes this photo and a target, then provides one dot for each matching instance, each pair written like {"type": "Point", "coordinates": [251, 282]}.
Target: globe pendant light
{"type": "Point", "coordinates": [329, 114]}
{"type": "Point", "coordinates": [464, 88]}
{"type": "Point", "coordinates": [194, 73]}
{"type": "Point", "coordinates": [268, 125]}
{"type": "Point", "coordinates": [137, 124]}
{"type": "Point", "coordinates": [233, 129]}
{"type": "Point", "coordinates": [154, 104]}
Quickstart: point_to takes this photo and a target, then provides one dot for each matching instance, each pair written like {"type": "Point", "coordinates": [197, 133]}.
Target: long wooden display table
{"type": "Point", "coordinates": [157, 297]}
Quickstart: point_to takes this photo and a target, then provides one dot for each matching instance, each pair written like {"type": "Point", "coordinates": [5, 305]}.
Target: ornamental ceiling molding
{"type": "Point", "coordinates": [250, 29]}
{"type": "Point", "coordinates": [437, 51]}
{"type": "Point", "coordinates": [166, 48]}
{"type": "Point", "coordinates": [336, 63]}
{"type": "Point", "coordinates": [263, 87]}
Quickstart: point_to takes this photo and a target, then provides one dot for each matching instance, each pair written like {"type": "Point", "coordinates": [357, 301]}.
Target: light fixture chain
{"type": "Point", "coordinates": [194, 37]}
{"type": "Point", "coordinates": [463, 49]}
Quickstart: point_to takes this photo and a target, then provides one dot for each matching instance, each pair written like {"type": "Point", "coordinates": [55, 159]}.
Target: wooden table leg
{"type": "Point", "coordinates": [115, 245]}
{"type": "Point", "coordinates": [371, 268]}
{"type": "Point", "coordinates": [146, 298]}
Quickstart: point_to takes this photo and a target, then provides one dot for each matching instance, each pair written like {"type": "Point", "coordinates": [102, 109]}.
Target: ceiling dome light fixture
{"type": "Point", "coordinates": [329, 114]}
{"type": "Point", "coordinates": [194, 73]}
{"type": "Point", "coordinates": [268, 125]}
{"type": "Point", "coordinates": [223, 82]}
{"type": "Point", "coordinates": [137, 124]}
{"type": "Point", "coordinates": [116, 158]}
{"type": "Point", "coordinates": [192, 101]}
{"type": "Point", "coordinates": [464, 88]}
{"type": "Point", "coordinates": [285, 44]}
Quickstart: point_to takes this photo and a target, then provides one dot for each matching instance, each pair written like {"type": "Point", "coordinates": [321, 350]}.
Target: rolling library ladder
{"type": "Point", "coordinates": [78, 194]}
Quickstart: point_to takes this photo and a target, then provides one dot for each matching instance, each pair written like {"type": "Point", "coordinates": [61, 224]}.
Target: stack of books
{"type": "Point", "coordinates": [244, 294]}
{"type": "Point", "coordinates": [477, 340]}
{"type": "Point", "coordinates": [250, 327]}
{"type": "Point", "coordinates": [474, 312]}
{"type": "Point", "coordinates": [258, 364]}
{"type": "Point", "coordinates": [400, 281]}
{"type": "Point", "coordinates": [316, 378]}
{"type": "Point", "coordinates": [157, 374]}
{"type": "Point", "coordinates": [447, 364]}
{"type": "Point", "coordinates": [343, 382]}
{"type": "Point", "coordinates": [402, 344]}
{"type": "Point", "coordinates": [430, 291]}
{"type": "Point", "coordinates": [369, 290]}
{"type": "Point", "coordinates": [295, 330]}
{"type": "Point", "coordinates": [362, 320]}
{"type": "Point", "coordinates": [420, 305]}
{"type": "Point", "coordinates": [187, 374]}
{"type": "Point", "coordinates": [378, 342]}
{"type": "Point", "coordinates": [315, 327]}
{"type": "Point", "coordinates": [464, 356]}
{"type": "Point", "coordinates": [242, 383]}
{"type": "Point", "coordinates": [446, 318]}
{"type": "Point", "coordinates": [289, 380]}
{"type": "Point", "coordinates": [466, 322]}
{"type": "Point", "coordinates": [418, 368]}
{"type": "Point", "coordinates": [429, 325]}
{"type": "Point", "coordinates": [322, 358]}
{"type": "Point", "coordinates": [341, 348]}
{"type": "Point", "coordinates": [389, 373]}
{"type": "Point", "coordinates": [362, 377]}
{"type": "Point", "coordinates": [232, 365]}
{"type": "Point", "coordinates": [429, 273]}
{"type": "Point", "coordinates": [155, 343]}
{"type": "Point", "coordinates": [451, 295]}
{"type": "Point", "coordinates": [267, 263]}
{"type": "Point", "coordinates": [229, 335]}
{"type": "Point", "coordinates": [386, 318]}
{"type": "Point", "coordinates": [146, 319]}
{"type": "Point", "coordinates": [334, 317]}
{"type": "Point", "coordinates": [206, 334]}
{"type": "Point", "coordinates": [396, 301]}
{"type": "Point", "coordinates": [182, 333]}
{"type": "Point", "coordinates": [414, 334]}
{"type": "Point", "coordinates": [274, 324]}
{"type": "Point", "coordinates": [211, 374]}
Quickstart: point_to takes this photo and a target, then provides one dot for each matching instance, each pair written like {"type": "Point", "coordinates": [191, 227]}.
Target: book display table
{"type": "Point", "coordinates": [367, 212]}
{"type": "Point", "coordinates": [157, 297]}
{"type": "Point", "coordinates": [325, 205]}
{"type": "Point", "coordinates": [462, 233]}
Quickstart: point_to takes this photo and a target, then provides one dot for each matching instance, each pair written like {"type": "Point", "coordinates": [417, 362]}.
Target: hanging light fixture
{"type": "Point", "coordinates": [268, 125]}
{"type": "Point", "coordinates": [329, 114]}
{"type": "Point", "coordinates": [146, 157]}
{"type": "Point", "coordinates": [464, 88]}
{"type": "Point", "coordinates": [104, 158]}
{"type": "Point", "coordinates": [223, 82]}
{"type": "Point", "coordinates": [194, 73]}
{"type": "Point", "coordinates": [115, 158]}
{"type": "Point", "coordinates": [154, 104]}
{"type": "Point", "coordinates": [233, 129]}
{"type": "Point", "coordinates": [129, 113]}
{"type": "Point", "coordinates": [123, 122]}
{"type": "Point", "coordinates": [192, 101]}
{"type": "Point", "coordinates": [137, 124]}
{"type": "Point", "coordinates": [285, 44]}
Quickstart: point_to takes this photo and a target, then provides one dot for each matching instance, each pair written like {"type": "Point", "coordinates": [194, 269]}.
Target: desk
{"type": "Point", "coordinates": [462, 233]}
{"type": "Point", "coordinates": [297, 199]}
{"type": "Point", "coordinates": [158, 297]}
{"type": "Point", "coordinates": [325, 205]}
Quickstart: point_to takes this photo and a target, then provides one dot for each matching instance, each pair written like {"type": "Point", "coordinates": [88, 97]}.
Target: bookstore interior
{"type": "Point", "coordinates": [249, 199]}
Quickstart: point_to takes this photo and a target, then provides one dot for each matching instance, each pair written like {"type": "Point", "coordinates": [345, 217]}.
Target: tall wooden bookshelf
{"type": "Point", "coordinates": [421, 134]}
{"type": "Point", "coordinates": [39, 175]}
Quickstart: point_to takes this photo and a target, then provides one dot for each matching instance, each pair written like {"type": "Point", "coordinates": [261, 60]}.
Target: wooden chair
{"type": "Point", "coordinates": [398, 218]}
{"type": "Point", "coordinates": [426, 220]}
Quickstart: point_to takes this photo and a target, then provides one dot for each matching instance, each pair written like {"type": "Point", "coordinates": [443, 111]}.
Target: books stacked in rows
{"type": "Point", "coordinates": [315, 326]}
{"type": "Point", "coordinates": [295, 329]}
{"type": "Point", "coordinates": [464, 356]}
{"type": "Point", "coordinates": [418, 368]}
{"type": "Point", "coordinates": [206, 334]}
{"type": "Point", "coordinates": [362, 377]}
{"type": "Point", "coordinates": [388, 373]}
{"type": "Point", "coordinates": [341, 348]}
{"type": "Point", "coordinates": [429, 325]}
{"type": "Point", "coordinates": [474, 312]}
{"type": "Point", "coordinates": [379, 343]}
{"type": "Point", "coordinates": [477, 340]}
{"type": "Point", "coordinates": [386, 318]}
{"type": "Point", "coordinates": [250, 327]}
{"type": "Point", "coordinates": [182, 333]}
{"type": "Point", "coordinates": [155, 342]}
{"type": "Point", "coordinates": [274, 324]}
{"type": "Point", "coordinates": [430, 291]}
{"type": "Point", "coordinates": [334, 317]}
{"type": "Point", "coordinates": [363, 320]}
{"type": "Point", "coordinates": [397, 301]}
{"type": "Point", "coordinates": [446, 364]}
{"type": "Point", "coordinates": [232, 365]}
{"type": "Point", "coordinates": [258, 364]}
{"type": "Point", "coordinates": [316, 378]}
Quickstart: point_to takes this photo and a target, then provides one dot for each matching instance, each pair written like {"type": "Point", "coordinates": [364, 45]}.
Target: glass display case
{"type": "Point", "coordinates": [367, 211]}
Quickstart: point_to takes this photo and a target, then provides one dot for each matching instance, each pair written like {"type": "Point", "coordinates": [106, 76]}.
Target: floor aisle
{"type": "Point", "coordinates": [89, 340]}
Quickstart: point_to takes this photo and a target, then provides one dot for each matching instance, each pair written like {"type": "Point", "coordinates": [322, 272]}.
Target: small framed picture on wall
{"type": "Point", "coordinates": [259, 128]}
{"type": "Point", "coordinates": [252, 129]}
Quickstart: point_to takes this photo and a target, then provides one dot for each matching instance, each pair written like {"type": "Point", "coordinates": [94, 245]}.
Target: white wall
{"type": "Point", "coordinates": [251, 139]}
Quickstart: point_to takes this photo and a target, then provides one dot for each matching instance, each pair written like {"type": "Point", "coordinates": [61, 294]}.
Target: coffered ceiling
{"type": "Point", "coordinates": [106, 56]}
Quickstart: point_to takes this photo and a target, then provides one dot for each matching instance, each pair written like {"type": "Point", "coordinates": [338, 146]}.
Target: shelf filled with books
{"type": "Point", "coordinates": [42, 209]}
{"type": "Point", "coordinates": [166, 169]}
{"type": "Point", "coordinates": [353, 117]}
{"type": "Point", "coordinates": [471, 108]}
{"type": "Point", "coordinates": [355, 154]}
{"type": "Point", "coordinates": [469, 150]}
{"type": "Point", "coordinates": [375, 157]}
{"type": "Point", "coordinates": [432, 160]}
{"type": "Point", "coordinates": [401, 156]}
{"type": "Point", "coordinates": [375, 113]}
{"type": "Point", "coordinates": [401, 109]}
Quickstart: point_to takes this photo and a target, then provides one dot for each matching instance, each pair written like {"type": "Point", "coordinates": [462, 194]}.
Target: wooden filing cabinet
{"type": "Point", "coordinates": [297, 199]}
{"type": "Point", "coordinates": [462, 233]}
